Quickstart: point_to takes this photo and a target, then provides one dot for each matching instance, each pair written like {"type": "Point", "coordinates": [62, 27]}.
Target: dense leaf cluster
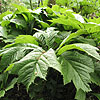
{"type": "Point", "coordinates": [34, 42]}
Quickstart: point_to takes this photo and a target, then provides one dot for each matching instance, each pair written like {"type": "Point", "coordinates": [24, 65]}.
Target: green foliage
{"type": "Point", "coordinates": [26, 39]}
{"type": "Point", "coordinates": [80, 95]}
{"type": "Point", "coordinates": [78, 69]}
{"type": "Point", "coordinates": [97, 95]}
{"type": "Point", "coordinates": [7, 5]}
{"type": "Point", "coordinates": [33, 42]}
{"type": "Point", "coordinates": [90, 50]}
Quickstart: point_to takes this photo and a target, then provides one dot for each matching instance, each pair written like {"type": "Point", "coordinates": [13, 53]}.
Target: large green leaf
{"type": "Point", "coordinates": [89, 49]}
{"type": "Point", "coordinates": [77, 67]}
{"type": "Point", "coordinates": [56, 8]}
{"type": "Point", "coordinates": [30, 61]}
{"type": "Point", "coordinates": [14, 52]}
{"type": "Point", "coordinates": [35, 64]}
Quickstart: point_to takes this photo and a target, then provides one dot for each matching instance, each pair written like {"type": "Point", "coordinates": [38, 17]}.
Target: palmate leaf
{"type": "Point", "coordinates": [30, 65]}
{"type": "Point", "coordinates": [77, 67]}
{"type": "Point", "coordinates": [35, 64]}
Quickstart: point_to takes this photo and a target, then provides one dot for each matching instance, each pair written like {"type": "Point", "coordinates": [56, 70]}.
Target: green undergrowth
{"type": "Point", "coordinates": [49, 54]}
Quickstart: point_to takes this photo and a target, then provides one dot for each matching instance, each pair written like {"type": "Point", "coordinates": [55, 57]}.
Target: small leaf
{"type": "Point", "coordinates": [2, 93]}
{"type": "Point", "coordinates": [79, 18]}
{"type": "Point", "coordinates": [68, 47]}
{"type": "Point", "coordinates": [26, 39]}
{"type": "Point", "coordinates": [11, 84]}
{"type": "Point", "coordinates": [4, 14]}
{"type": "Point", "coordinates": [44, 24]}
{"type": "Point", "coordinates": [90, 50]}
{"type": "Point", "coordinates": [56, 8]}
{"type": "Point", "coordinates": [3, 32]}
{"type": "Point", "coordinates": [81, 39]}
{"type": "Point", "coordinates": [95, 78]}
{"type": "Point", "coordinates": [9, 67]}
{"type": "Point", "coordinates": [19, 22]}
{"type": "Point", "coordinates": [20, 8]}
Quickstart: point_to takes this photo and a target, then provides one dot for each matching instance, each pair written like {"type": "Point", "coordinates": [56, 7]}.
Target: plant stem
{"type": "Point", "coordinates": [41, 2]}
{"type": "Point", "coordinates": [31, 4]}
